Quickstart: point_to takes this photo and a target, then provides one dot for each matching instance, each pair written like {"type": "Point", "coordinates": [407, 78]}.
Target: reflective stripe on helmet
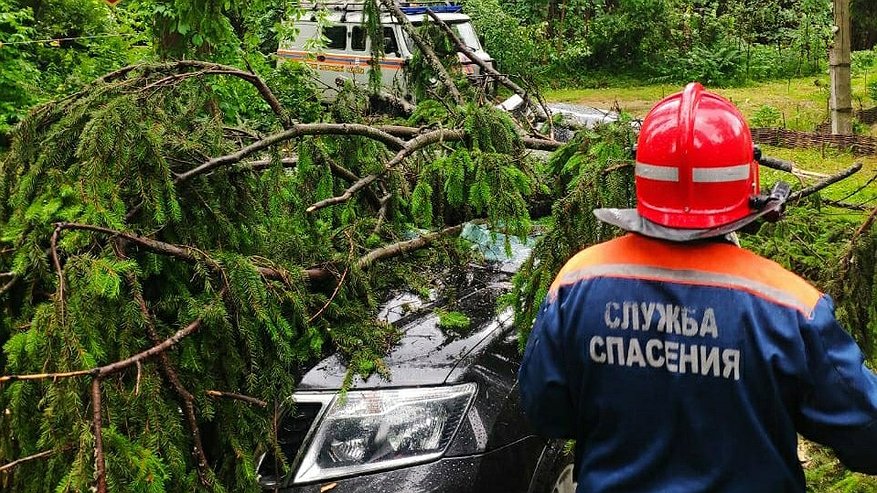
{"type": "Point", "coordinates": [658, 173]}
{"type": "Point", "coordinates": [721, 174]}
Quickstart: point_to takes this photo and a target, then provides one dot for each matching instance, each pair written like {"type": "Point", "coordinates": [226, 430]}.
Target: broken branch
{"type": "Point", "coordinates": [401, 247]}
{"type": "Point", "coordinates": [183, 252]}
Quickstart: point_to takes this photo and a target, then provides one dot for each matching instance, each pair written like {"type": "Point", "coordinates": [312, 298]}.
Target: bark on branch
{"type": "Point", "coordinates": [100, 467]}
{"type": "Point", "coordinates": [402, 247]}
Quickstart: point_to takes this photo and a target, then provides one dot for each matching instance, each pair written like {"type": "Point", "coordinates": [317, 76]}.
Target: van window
{"type": "Point", "coordinates": [337, 37]}
{"type": "Point", "coordinates": [357, 41]}
{"type": "Point", "coordinates": [390, 44]}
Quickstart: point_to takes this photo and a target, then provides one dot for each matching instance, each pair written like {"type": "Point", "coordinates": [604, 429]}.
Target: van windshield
{"type": "Point", "coordinates": [463, 30]}
{"type": "Point", "coordinates": [467, 35]}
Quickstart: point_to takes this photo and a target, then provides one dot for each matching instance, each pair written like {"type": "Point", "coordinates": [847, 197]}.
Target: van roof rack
{"type": "Point", "coordinates": [409, 8]}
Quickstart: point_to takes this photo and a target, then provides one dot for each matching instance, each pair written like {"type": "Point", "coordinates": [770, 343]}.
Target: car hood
{"type": "Point", "coordinates": [427, 353]}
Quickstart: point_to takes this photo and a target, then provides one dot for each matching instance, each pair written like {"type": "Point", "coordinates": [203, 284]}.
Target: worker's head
{"type": "Point", "coordinates": [696, 174]}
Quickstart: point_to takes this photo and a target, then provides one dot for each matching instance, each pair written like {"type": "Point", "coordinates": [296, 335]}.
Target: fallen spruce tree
{"type": "Point", "coordinates": [166, 275]}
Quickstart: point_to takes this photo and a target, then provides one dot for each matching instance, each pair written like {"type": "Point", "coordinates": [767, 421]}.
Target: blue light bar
{"type": "Point", "coordinates": [438, 9]}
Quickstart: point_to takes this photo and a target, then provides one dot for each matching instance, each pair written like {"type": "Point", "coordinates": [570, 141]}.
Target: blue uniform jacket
{"type": "Point", "coordinates": [690, 367]}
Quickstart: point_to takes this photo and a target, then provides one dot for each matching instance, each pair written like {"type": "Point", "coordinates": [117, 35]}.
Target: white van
{"type": "Point", "coordinates": [346, 53]}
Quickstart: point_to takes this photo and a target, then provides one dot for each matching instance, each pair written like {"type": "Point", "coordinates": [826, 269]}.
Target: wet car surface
{"type": "Point", "coordinates": [447, 419]}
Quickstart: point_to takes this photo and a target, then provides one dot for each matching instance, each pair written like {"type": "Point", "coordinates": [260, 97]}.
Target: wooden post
{"type": "Point", "coordinates": [839, 69]}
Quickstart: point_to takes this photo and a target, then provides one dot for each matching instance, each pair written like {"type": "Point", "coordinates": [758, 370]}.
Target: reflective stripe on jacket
{"type": "Point", "coordinates": [690, 367]}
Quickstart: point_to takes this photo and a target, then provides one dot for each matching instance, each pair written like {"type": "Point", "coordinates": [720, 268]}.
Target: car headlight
{"type": "Point", "coordinates": [382, 429]}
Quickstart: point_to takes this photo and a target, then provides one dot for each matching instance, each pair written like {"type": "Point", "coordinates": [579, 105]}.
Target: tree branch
{"type": "Point", "coordinates": [5, 468]}
{"type": "Point", "coordinates": [826, 182]}
{"type": "Point", "coordinates": [100, 466]}
{"type": "Point", "coordinates": [402, 247]}
{"type": "Point", "coordinates": [9, 284]}
{"type": "Point", "coordinates": [209, 68]}
{"type": "Point", "coordinates": [409, 148]}
{"type": "Point", "coordinates": [529, 142]}
{"type": "Point", "coordinates": [866, 225]}
{"type": "Point", "coordinates": [382, 213]}
{"type": "Point", "coordinates": [185, 252]}
{"type": "Point", "coordinates": [293, 132]}
{"type": "Point", "coordinates": [102, 371]}
{"type": "Point", "coordinates": [240, 397]}
{"type": "Point", "coordinates": [174, 379]}
{"type": "Point", "coordinates": [57, 263]}
{"type": "Point", "coordinates": [427, 51]}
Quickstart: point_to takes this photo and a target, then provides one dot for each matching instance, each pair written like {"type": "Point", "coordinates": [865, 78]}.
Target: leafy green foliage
{"type": "Point", "coordinates": [513, 42]}
{"type": "Point", "coordinates": [766, 117]}
{"type": "Point", "coordinates": [53, 48]}
{"type": "Point", "coordinates": [718, 42]}
{"type": "Point", "coordinates": [590, 172]}
{"type": "Point", "coordinates": [455, 321]}
{"type": "Point", "coordinates": [487, 177]}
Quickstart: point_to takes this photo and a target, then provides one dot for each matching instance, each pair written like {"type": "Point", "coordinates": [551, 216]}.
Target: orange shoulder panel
{"type": "Point", "coordinates": [722, 259]}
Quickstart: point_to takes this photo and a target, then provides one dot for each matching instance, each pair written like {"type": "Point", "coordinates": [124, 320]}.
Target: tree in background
{"type": "Point", "coordinates": [719, 42]}
{"type": "Point", "coordinates": [863, 14]}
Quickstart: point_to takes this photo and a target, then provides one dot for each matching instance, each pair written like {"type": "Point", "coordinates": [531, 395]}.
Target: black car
{"type": "Point", "coordinates": [447, 420]}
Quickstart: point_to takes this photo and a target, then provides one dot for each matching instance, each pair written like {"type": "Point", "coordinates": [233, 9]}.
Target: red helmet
{"type": "Point", "coordinates": [695, 166]}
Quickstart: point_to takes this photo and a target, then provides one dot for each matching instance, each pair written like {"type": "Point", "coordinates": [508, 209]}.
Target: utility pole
{"type": "Point", "coordinates": [841, 103]}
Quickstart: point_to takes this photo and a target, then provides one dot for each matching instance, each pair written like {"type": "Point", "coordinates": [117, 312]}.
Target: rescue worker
{"type": "Point", "coordinates": [679, 361]}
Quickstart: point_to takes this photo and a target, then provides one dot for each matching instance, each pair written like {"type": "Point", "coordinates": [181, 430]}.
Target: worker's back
{"type": "Point", "coordinates": [690, 367]}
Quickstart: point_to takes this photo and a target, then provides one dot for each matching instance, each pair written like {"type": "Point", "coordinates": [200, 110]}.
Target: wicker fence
{"type": "Point", "coordinates": [857, 144]}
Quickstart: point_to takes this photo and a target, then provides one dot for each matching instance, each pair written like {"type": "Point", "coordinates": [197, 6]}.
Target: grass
{"type": "Point", "coordinates": [802, 102]}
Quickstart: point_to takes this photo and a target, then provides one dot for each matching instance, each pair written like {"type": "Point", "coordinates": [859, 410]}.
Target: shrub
{"type": "Point", "coordinates": [766, 116]}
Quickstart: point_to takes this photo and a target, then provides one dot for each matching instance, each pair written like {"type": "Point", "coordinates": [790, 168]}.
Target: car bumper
{"type": "Point", "coordinates": [508, 469]}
